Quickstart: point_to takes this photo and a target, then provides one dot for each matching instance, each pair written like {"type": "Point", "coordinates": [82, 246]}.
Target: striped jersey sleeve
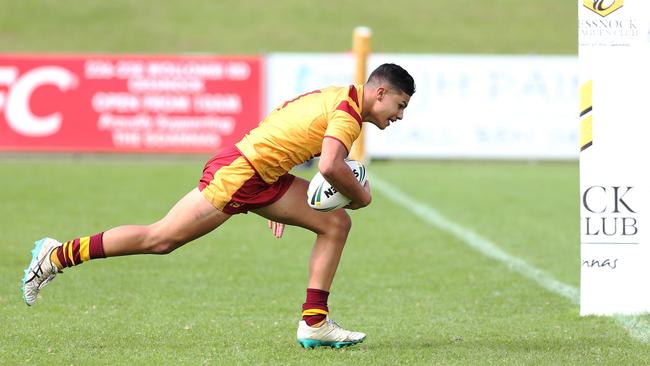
{"type": "Point", "coordinates": [345, 122]}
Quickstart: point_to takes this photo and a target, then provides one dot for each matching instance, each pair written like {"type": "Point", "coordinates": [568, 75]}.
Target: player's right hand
{"type": "Point", "coordinates": [357, 205]}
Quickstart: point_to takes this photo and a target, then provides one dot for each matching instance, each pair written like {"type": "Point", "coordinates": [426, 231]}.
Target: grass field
{"type": "Point", "coordinates": [256, 26]}
{"type": "Point", "coordinates": [233, 297]}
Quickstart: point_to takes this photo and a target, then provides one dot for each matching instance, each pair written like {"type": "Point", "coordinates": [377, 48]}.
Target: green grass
{"type": "Point", "coordinates": [233, 296]}
{"type": "Point", "coordinates": [256, 26]}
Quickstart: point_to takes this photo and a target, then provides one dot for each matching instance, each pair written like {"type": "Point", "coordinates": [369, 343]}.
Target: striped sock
{"type": "Point", "coordinates": [79, 250]}
{"type": "Point", "coordinates": [314, 310]}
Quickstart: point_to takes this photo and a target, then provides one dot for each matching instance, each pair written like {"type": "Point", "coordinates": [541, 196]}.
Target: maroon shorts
{"type": "Point", "coordinates": [233, 186]}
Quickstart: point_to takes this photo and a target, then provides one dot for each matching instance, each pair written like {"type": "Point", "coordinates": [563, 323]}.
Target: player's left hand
{"type": "Point", "coordinates": [276, 228]}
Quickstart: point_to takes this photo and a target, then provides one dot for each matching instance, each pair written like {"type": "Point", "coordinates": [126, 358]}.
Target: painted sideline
{"type": "Point", "coordinates": [636, 326]}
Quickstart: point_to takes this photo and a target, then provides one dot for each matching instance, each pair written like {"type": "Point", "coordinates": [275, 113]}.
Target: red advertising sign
{"type": "Point", "coordinates": [127, 103]}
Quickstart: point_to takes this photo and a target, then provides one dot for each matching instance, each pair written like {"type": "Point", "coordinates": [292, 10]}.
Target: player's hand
{"type": "Point", "coordinates": [357, 205]}
{"type": "Point", "coordinates": [276, 228]}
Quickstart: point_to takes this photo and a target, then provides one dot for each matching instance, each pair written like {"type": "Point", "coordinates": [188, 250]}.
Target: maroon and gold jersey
{"type": "Point", "coordinates": [293, 133]}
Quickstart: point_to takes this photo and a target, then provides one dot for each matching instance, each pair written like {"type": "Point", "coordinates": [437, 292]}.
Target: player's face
{"type": "Point", "coordinates": [389, 106]}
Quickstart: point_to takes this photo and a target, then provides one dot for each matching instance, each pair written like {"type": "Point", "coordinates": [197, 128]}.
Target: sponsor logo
{"type": "Point", "coordinates": [609, 216]}
{"type": "Point", "coordinates": [330, 192]}
{"type": "Point", "coordinates": [315, 198]}
{"type": "Point", "coordinates": [609, 219]}
{"type": "Point", "coordinates": [360, 173]}
{"type": "Point", "coordinates": [621, 29]}
{"type": "Point", "coordinates": [15, 101]}
{"type": "Point", "coordinates": [235, 204]}
{"type": "Point", "coordinates": [603, 7]}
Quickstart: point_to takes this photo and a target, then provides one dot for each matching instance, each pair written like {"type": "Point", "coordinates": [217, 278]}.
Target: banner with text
{"type": "Point", "coordinates": [614, 54]}
{"type": "Point", "coordinates": [465, 106]}
{"type": "Point", "coordinates": [95, 103]}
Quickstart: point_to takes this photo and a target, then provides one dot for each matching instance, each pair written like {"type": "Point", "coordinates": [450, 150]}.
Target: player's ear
{"type": "Point", "coordinates": [381, 92]}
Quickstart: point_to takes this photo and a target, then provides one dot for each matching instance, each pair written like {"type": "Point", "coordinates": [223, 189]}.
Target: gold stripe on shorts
{"type": "Point", "coordinates": [227, 180]}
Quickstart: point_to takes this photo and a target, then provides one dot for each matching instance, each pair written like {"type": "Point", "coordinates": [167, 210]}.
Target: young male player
{"type": "Point", "coordinates": [254, 176]}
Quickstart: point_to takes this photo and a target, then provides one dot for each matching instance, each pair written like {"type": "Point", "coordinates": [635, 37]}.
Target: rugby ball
{"type": "Point", "coordinates": [322, 196]}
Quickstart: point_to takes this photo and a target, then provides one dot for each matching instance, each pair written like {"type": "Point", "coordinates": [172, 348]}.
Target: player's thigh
{"type": "Point", "coordinates": [190, 218]}
{"type": "Point", "coordinates": [292, 209]}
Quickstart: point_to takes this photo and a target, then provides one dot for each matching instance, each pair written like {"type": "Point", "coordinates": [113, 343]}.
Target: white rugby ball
{"type": "Point", "coordinates": [322, 196]}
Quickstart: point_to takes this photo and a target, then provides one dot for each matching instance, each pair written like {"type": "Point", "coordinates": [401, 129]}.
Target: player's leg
{"type": "Point", "coordinates": [331, 229]}
{"type": "Point", "coordinates": [192, 217]}
{"type": "Point", "coordinates": [197, 213]}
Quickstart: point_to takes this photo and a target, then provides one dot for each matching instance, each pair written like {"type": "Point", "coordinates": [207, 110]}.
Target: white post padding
{"type": "Point", "coordinates": [614, 59]}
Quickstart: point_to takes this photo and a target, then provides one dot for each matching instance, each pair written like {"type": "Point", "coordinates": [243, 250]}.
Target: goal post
{"type": "Point", "coordinates": [614, 54]}
{"type": "Point", "coordinates": [361, 50]}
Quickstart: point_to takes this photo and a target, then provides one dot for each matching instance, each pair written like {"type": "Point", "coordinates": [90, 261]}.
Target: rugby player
{"type": "Point", "coordinates": [253, 175]}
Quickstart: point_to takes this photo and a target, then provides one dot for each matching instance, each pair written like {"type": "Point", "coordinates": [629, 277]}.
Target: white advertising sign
{"type": "Point", "coordinates": [511, 107]}
{"type": "Point", "coordinates": [614, 180]}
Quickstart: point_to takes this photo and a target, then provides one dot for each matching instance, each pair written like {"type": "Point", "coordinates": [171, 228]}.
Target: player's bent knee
{"type": "Point", "coordinates": [344, 221]}
{"type": "Point", "coordinates": [338, 223]}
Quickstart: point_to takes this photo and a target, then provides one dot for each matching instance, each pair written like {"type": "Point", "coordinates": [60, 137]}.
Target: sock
{"type": "Point", "coordinates": [79, 250]}
{"type": "Point", "coordinates": [314, 310]}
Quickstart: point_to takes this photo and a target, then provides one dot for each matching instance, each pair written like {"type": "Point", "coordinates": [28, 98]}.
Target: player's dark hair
{"type": "Point", "coordinates": [395, 75]}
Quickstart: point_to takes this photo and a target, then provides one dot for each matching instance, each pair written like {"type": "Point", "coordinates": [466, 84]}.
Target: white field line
{"type": "Point", "coordinates": [636, 326]}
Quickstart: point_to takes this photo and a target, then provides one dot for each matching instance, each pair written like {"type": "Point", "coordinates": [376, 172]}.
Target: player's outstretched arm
{"type": "Point", "coordinates": [334, 169]}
